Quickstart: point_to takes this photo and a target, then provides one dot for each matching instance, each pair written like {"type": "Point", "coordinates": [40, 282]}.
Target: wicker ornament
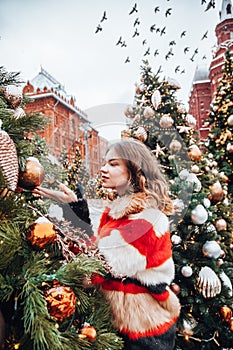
{"type": "Point", "coordinates": [8, 160]}
{"type": "Point", "coordinates": [41, 233]}
{"type": "Point", "coordinates": [89, 332]}
{"type": "Point", "coordinates": [32, 176]}
{"type": "Point", "coordinates": [61, 301]}
{"type": "Point", "coordinates": [156, 99]}
{"type": "Point", "coordinates": [13, 95]}
{"type": "Point", "coordinates": [208, 283]}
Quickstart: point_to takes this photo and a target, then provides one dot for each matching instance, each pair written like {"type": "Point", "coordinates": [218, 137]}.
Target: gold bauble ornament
{"type": "Point", "coordinates": [41, 233]}
{"type": "Point", "coordinates": [226, 313]}
{"type": "Point", "coordinates": [61, 301]}
{"type": "Point", "coordinates": [32, 176]}
{"type": "Point", "coordinates": [195, 153]}
{"type": "Point", "coordinates": [216, 192]}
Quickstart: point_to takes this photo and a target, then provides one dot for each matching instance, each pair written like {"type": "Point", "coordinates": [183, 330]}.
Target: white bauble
{"type": "Point", "coordinates": [183, 174]}
{"type": "Point", "coordinates": [206, 202]}
{"type": "Point", "coordinates": [175, 239]}
{"type": "Point", "coordinates": [211, 249]}
{"type": "Point", "coordinates": [199, 215]}
{"type": "Point", "coordinates": [197, 183]}
{"type": "Point", "coordinates": [187, 271]}
{"type": "Point", "coordinates": [156, 99]}
{"type": "Point", "coordinates": [178, 205]}
{"type": "Point", "coordinates": [166, 121]}
{"type": "Point", "coordinates": [230, 120]}
{"type": "Point", "coordinates": [148, 112]}
{"type": "Point", "coordinates": [175, 146]}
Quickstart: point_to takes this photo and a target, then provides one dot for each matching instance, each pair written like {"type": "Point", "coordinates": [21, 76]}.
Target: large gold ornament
{"type": "Point", "coordinates": [61, 301]}
{"type": "Point", "coordinates": [41, 233]}
{"type": "Point", "coordinates": [89, 332]}
{"type": "Point", "coordinates": [32, 176]}
{"type": "Point", "coordinates": [195, 153]}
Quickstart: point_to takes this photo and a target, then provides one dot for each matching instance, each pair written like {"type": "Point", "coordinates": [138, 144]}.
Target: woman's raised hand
{"type": "Point", "coordinates": [64, 195]}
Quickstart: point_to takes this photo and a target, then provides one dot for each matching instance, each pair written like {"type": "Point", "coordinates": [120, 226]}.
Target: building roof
{"type": "Point", "coordinates": [201, 74]}
{"type": "Point", "coordinates": [226, 10]}
{"type": "Point", "coordinates": [44, 79]}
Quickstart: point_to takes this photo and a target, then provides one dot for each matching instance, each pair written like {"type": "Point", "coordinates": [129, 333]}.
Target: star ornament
{"type": "Point", "coordinates": [183, 128]}
{"type": "Point", "coordinates": [158, 151]}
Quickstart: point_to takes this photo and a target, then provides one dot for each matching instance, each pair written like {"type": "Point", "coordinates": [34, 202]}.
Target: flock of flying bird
{"type": "Point", "coordinates": [159, 31]}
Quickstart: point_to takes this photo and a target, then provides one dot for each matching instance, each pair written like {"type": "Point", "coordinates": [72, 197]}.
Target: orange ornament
{"type": "Point", "coordinates": [61, 302]}
{"type": "Point", "coordinates": [216, 192]}
{"type": "Point", "coordinates": [32, 176]}
{"type": "Point", "coordinates": [41, 234]}
{"type": "Point", "coordinates": [195, 153]}
{"type": "Point", "coordinates": [89, 331]}
{"type": "Point", "coordinates": [231, 325]}
{"type": "Point", "coordinates": [226, 313]}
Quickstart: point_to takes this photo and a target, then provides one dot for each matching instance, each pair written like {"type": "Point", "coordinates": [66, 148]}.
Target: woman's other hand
{"type": "Point", "coordinates": [64, 195]}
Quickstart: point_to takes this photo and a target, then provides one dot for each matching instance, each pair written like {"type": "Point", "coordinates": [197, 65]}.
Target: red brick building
{"type": "Point", "coordinates": [69, 125]}
{"type": "Point", "coordinates": [206, 79]}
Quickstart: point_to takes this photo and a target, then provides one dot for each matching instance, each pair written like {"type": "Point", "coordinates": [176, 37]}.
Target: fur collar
{"type": "Point", "coordinates": [130, 204]}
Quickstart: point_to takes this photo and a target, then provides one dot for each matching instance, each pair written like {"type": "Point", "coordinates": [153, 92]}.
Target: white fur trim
{"type": "Point", "coordinates": [158, 219]}
{"type": "Point", "coordinates": [163, 274]}
{"type": "Point", "coordinates": [124, 258]}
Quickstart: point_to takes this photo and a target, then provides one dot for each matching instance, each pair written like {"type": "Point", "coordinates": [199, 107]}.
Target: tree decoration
{"type": "Point", "coordinates": [173, 83]}
{"type": "Point", "coordinates": [32, 176]}
{"type": "Point", "coordinates": [175, 288]}
{"type": "Point", "coordinates": [166, 121]}
{"type": "Point", "coordinates": [175, 146]}
{"type": "Point", "coordinates": [41, 233]}
{"type": "Point", "coordinates": [175, 239]}
{"type": "Point", "coordinates": [89, 331]}
{"type": "Point", "coordinates": [208, 282]}
{"type": "Point", "coordinates": [148, 112]}
{"type": "Point", "coordinates": [229, 147]}
{"type": "Point", "coordinates": [187, 271]}
{"type": "Point", "coordinates": [13, 95]}
{"type": "Point", "coordinates": [191, 121]}
{"type": "Point", "coordinates": [8, 160]}
{"type": "Point", "coordinates": [61, 301]}
{"type": "Point", "coordinates": [140, 134]}
{"type": "Point", "coordinates": [221, 224]}
{"type": "Point", "coordinates": [156, 99]}
{"type": "Point", "coordinates": [226, 282]}
{"type": "Point", "coordinates": [230, 120]}
{"type": "Point", "coordinates": [216, 192]}
{"type": "Point", "coordinates": [19, 113]}
{"type": "Point", "coordinates": [211, 249]}
{"type": "Point", "coordinates": [199, 215]}
{"type": "Point", "coordinates": [188, 326]}
{"type": "Point", "coordinates": [195, 153]}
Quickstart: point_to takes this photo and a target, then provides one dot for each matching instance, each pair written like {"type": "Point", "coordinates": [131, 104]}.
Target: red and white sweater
{"type": "Point", "coordinates": [135, 240]}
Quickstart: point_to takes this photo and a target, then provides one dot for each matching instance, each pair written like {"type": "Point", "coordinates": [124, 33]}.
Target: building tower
{"type": "Point", "coordinates": [206, 79]}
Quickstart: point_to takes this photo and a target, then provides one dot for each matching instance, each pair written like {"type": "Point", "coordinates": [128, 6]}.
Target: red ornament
{"type": "Point", "coordinates": [175, 288]}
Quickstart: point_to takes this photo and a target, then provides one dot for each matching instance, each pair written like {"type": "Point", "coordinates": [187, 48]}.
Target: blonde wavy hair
{"type": "Point", "coordinates": [144, 172]}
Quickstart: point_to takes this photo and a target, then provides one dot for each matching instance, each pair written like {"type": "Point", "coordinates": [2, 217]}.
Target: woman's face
{"type": "Point", "coordinates": [114, 173]}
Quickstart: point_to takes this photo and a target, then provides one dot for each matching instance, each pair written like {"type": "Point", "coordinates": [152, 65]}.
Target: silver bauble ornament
{"type": "Point", "coordinates": [211, 249]}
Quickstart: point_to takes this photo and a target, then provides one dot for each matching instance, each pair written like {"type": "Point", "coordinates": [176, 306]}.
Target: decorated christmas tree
{"type": "Point", "coordinates": [202, 240]}
{"type": "Point", "coordinates": [45, 263]}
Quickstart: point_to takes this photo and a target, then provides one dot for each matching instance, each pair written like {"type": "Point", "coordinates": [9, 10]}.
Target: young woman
{"type": "Point", "coordinates": [134, 237]}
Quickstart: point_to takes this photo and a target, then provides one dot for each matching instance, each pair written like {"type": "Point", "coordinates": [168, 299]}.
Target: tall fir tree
{"type": "Point", "coordinates": [202, 247]}
{"type": "Point", "coordinates": [44, 263]}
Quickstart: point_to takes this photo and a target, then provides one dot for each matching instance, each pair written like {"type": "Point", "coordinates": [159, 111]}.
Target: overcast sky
{"type": "Point", "coordinates": [59, 35]}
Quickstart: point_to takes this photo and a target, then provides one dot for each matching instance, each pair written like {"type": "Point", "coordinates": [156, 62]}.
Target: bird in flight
{"type": "Point", "coordinates": [144, 42]}
{"type": "Point", "coordinates": [134, 9]}
{"type": "Point", "coordinates": [147, 52]}
{"type": "Point", "coordinates": [157, 9]}
{"type": "Point", "coordinates": [135, 33]}
{"type": "Point", "coordinates": [152, 28]}
{"type": "Point", "coordinates": [127, 60]}
{"type": "Point", "coordinates": [168, 12]}
{"type": "Point", "coordinates": [186, 49]}
{"type": "Point", "coordinates": [136, 22]}
{"type": "Point", "coordinates": [162, 31]}
{"type": "Point", "coordinates": [177, 69]}
{"type": "Point", "coordinates": [210, 4]}
{"type": "Point", "coordinates": [119, 41]}
{"type": "Point", "coordinates": [104, 18]}
{"type": "Point", "coordinates": [98, 29]}
{"type": "Point", "coordinates": [156, 52]}
{"type": "Point", "coordinates": [205, 35]}
{"type": "Point", "coordinates": [183, 33]}
{"type": "Point", "coordinates": [123, 44]}
{"type": "Point", "coordinates": [172, 43]}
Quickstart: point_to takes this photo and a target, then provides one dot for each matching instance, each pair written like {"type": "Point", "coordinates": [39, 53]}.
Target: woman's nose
{"type": "Point", "coordinates": [104, 169]}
